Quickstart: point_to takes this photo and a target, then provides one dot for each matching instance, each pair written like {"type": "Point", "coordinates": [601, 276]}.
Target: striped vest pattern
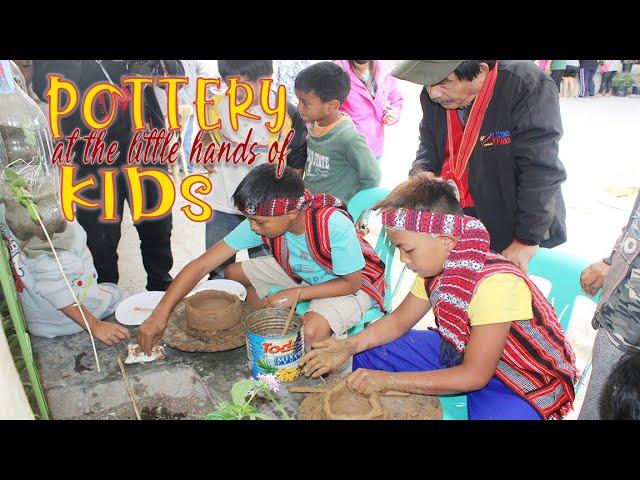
{"type": "Point", "coordinates": [319, 243]}
{"type": "Point", "coordinates": [537, 362]}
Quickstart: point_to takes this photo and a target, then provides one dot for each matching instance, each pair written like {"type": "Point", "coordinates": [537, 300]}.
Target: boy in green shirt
{"type": "Point", "coordinates": [339, 160]}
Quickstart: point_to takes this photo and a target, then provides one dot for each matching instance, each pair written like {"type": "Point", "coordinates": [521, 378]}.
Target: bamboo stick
{"type": "Point", "coordinates": [129, 389]}
{"type": "Point", "coordinates": [390, 393]}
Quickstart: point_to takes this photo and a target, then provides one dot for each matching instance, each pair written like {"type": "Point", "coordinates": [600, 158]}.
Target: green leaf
{"type": "Point", "coordinates": [10, 174]}
{"type": "Point", "coordinates": [240, 390]}
{"type": "Point", "coordinates": [19, 182]}
{"type": "Point", "coordinates": [85, 290]}
{"type": "Point", "coordinates": [220, 416]}
{"type": "Point", "coordinates": [32, 210]}
{"type": "Point", "coordinates": [261, 416]}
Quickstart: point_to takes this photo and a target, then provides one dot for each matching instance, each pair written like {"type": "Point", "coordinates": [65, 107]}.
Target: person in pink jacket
{"type": "Point", "coordinates": [374, 100]}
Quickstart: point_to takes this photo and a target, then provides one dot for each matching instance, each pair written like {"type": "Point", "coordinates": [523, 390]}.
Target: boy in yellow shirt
{"type": "Point", "coordinates": [498, 339]}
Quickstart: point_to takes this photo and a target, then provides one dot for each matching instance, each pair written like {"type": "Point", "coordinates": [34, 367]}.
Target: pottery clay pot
{"type": "Point", "coordinates": [213, 310]}
{"type": "Point", "coordinates": [340, 403]}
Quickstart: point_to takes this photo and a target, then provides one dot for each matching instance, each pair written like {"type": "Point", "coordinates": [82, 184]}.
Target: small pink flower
{"type": "Point", "coordinates": [272, 382]}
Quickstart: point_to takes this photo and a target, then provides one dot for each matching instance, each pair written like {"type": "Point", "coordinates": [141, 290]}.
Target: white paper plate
{"type": "Point", "coordinates": [126, 312]}
{"type": "Point", "coordinates": [230, 286]}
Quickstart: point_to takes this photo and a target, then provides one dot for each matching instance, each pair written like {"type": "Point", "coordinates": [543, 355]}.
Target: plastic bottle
{"type": "Point", "coordinates": [27, 150]}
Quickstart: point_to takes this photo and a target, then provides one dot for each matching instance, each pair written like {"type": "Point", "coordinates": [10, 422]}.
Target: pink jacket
{"type": "Point", "coordinates": [367, 112]}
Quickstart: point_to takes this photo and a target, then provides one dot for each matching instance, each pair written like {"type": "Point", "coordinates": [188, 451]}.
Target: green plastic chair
{"type": "Point", "coordinates": [19, 335]}
{"type": "Point", "coordinates": [563, 271]}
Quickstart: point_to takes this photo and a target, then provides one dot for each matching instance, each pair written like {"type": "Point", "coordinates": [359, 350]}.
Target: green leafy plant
{"type": "Point", "coordinates": [623, 81]}
{"type": "Point", "coordinates": [243, 394]}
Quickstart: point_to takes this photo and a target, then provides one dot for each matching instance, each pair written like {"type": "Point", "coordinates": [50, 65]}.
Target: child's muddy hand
{"type": "Point", "coordinates": [110, 333]}
{"type": "Point", "coordinates": [325, 357]}
{"type": "Point", "coordinates": [366, 382]}
{"type": "Point", "coordinates": [282, 299]}
{"type": "Point", "coordinates": [150, 332]}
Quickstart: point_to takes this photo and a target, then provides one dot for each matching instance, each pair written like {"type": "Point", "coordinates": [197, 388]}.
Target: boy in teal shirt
{"type": "Point", "coordinates": [315, 253]}
{"type": "Point", "coordinates": [339, 160]}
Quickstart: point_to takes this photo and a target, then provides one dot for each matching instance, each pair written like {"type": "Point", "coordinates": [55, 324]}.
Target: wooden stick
{"type": "Point", "coordinates": [291, 312]}
{"type": "Point", "coordinates": [129, 389]}
{"type": "Point", "coordinates": [390, 393]}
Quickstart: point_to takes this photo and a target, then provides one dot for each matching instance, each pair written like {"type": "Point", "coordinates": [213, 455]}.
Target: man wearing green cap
{"type": "Point", "coordinates": [493, 128]}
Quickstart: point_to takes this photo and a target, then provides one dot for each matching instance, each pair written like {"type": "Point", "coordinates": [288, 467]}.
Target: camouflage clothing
{"type": "Point", "coordinates": [617, 316]}
{"type": "Point", "coordinates": [618, 311]}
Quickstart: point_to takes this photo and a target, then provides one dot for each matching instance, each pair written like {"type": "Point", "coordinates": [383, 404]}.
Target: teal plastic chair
{"type": "Point", "coordinates": [563, 271]}
{"type": "Point", "coordinates": [361, 202]}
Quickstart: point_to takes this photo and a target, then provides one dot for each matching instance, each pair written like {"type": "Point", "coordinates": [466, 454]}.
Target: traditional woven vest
{"type": "Point", "coordinates": [319, 243]}
{"type": "Point", "coordinates": [537, 362]}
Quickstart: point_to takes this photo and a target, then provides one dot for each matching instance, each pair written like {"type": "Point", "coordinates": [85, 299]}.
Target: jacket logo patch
{"type": "Point", "coordinates": [499, 137]}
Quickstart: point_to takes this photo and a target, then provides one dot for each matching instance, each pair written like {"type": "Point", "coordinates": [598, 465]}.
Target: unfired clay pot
{"type": "Point", "coordinates": [213, 311]}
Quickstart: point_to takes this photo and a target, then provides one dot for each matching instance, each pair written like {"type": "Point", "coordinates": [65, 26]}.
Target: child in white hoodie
{"type": "Point", "coordinates": [46, 300]}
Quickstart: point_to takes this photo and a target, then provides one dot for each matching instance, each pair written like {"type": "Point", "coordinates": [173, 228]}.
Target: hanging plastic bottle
{"type": "Point", "coordinates": [27, 150]}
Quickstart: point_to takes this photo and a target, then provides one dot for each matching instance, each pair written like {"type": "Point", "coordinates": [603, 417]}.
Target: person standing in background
{"type": "Point", "coordinates": [285, 74]}
{"type": "Point", "coordinates": [609, 70]}
{"type": "Point", "coordinates": [557, 68]}
{"type": "Point", "coordinates": [187, 96]}
{"type": "Point", "coordinates": [569, 79]}
{"type": "Point", "coordinates": [587, 71]}
{"type": "Point", "coordinates": [103, 237]}
{"type": "Point", "coordinates": [374, 100]}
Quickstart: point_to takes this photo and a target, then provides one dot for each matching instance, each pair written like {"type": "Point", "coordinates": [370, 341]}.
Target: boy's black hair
{"type": "Point", "coordinates": [261, 185]}
{"type": "Point", "coordinates": [251, 69]}
{"type": "Point", "coordinates": [422, 193]}
{"type": "Point", "coordinates": [469, 69]}
{"type": "Point", "coordinates": [621, 397]}
{"type": "Point", "coordinates": [326, 80]}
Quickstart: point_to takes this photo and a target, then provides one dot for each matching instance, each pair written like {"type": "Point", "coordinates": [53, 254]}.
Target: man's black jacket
{"type": "Point", "coordinates": [514, 171]}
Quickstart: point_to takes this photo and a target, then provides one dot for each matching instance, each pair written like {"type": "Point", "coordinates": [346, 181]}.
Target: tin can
{"type": "Point", "coordinates": [268, 351]}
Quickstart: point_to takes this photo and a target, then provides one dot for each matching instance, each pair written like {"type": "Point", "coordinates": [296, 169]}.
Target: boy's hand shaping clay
{"type": "Point", "coordinates": [282, 299]}
{"type": "Point", "coordinates": [325, 357]}
{"type": "Point", "coordinates": [366, 382]}
{"type": "Point", "coordinates": [150, 332]}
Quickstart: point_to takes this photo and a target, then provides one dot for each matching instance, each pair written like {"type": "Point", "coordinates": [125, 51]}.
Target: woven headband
{"type": "Point", "coordinates": [282, 205]}
{"type": "Point", "coordinates": [423, 221]}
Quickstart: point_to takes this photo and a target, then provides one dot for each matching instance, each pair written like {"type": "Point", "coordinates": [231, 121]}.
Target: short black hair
{"type": "Point", "coordinates": [326, 80]}
{"type": "Point", "coordinates": [261, 185]}
{"type": "Point", "coordinates": [621, 397]}
{"type": "Point", "coordinates": [469, 69]}
{"type": "Point", "coordinates": [251, 69]}
{"type": "Point", "coordinates": [422, 193]}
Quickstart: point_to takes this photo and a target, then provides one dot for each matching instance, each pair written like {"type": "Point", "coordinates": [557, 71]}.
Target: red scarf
{"type": "Point", "coordinates": [459, 148]}
{"type": "Point", "coordinates": [462, 269]}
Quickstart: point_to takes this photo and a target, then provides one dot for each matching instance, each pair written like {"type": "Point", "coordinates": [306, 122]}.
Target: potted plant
{"type": "Point", "coordinates": [622, 82]}
{"type": "Point", "coordinates": [636, 85]}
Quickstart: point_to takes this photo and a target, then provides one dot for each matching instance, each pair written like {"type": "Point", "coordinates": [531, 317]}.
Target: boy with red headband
{"type": "Point", "coordinates": [497, 337]}
{"type": "Point", "coordinates": [316, 253]}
